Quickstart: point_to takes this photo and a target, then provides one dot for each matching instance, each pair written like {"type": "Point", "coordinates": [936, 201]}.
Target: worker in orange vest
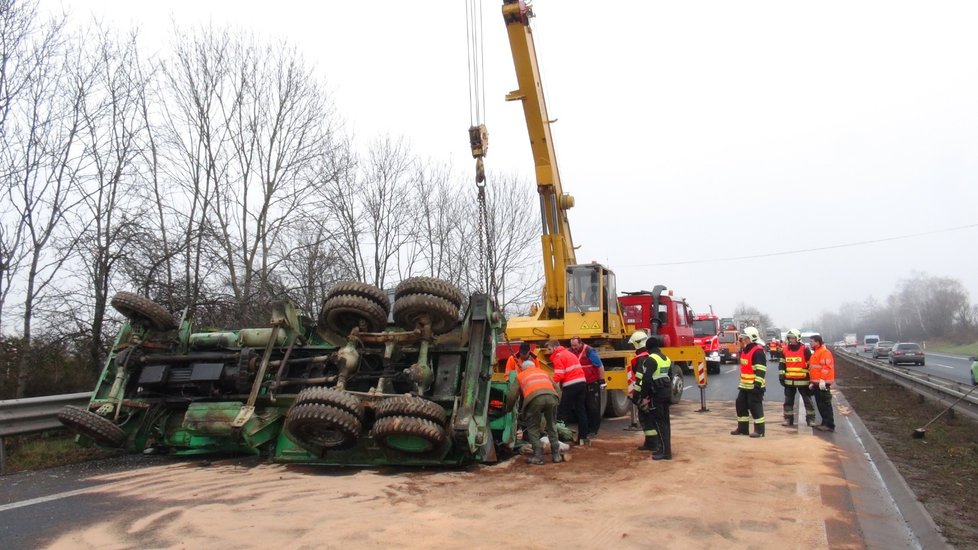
{"type": "Point", "coordinates": [524, 354]}
{"type": "Point", "coordinates": [539, 405]}
{"type": "Point", "coordinates": [793, 375]}
{"type": "Point", "coordinates": [570, 375]}
{"type": "Point", "coordinates": [821, 372]}
{"type": "Point", "coordinates": [594, 378]}
{"type": "Point", "coordinates": [750, 397]}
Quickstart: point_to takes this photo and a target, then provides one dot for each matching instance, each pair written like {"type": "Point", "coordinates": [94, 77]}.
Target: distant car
{"type": "Point", "coordinates": [882, 349]}
{"type": "Point", "coordinates": [906, 352]}
{"type": "Point", "coordinates": [869, 341]}
{"type": "Point", "coordinates": [974, 371]}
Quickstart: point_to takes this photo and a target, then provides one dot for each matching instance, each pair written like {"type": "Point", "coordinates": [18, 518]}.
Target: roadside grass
{"type": "Point", "coordinates": [970, 350]}
{"type": "Point", "coordinates": [38, 451]}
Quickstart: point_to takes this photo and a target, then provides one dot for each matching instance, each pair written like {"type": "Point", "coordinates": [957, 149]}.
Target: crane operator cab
{"type": "Point", "coordinates": [592, 301]}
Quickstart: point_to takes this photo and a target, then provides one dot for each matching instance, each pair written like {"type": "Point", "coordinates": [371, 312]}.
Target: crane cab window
{"type": "Point", "coordinates": [611, 293]}
{"type": "Point", "coordinates": [583, 289]}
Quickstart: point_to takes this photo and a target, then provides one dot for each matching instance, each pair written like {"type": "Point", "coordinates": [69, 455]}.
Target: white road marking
{"type": "Point", "coordinates": [40, 500]}
{"type": "Point", "coordinates": [964, 357]}
{"type": "Point", "coordinates": [940, 365]}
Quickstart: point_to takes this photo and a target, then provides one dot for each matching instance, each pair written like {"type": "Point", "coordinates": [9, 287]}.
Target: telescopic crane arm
{"type": "Point", "coordinates": [558, 245]}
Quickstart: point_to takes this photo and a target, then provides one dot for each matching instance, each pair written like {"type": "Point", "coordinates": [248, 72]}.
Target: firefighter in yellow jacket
{"type": "Point", "coordinates": [750, 397]}
{"type": "Point", "coordinates": [793, 375]}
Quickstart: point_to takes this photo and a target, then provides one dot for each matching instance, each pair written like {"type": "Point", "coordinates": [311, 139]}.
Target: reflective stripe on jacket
{"type": "Point", "coordinates": [636, 363]}
{"type": "Point", "coordinates": [650, 384]}
{"type": "Point", "coordinates": [567, 369]}
{"type": "Point", "coordinates": [752, 367]}
{"type": "Point", "coordinates": [822, 366]}
{"type": "Point", "coordinates": [534, 381]}
{"type": "Point", "coordinates": [795, 366]}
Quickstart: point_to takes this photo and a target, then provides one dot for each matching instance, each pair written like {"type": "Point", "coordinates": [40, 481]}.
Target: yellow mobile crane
{"type": "Point", "coordinates": [578, 299]}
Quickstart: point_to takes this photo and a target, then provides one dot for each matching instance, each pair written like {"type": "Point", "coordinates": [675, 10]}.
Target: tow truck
{"type": "Point", "coordinates": [706, 333]}
{"type": "Point", "coordinates": [580, 299]}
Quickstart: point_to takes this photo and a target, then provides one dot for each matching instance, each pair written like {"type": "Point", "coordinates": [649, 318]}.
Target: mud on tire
{"type": "Point", "coordinates": [429, 285]}
{"type": "Point", "coordinates": [409, 310]}
{"type": "Point", "coordinates": [408, 434]}
{"type": "Point", "coordinates": [343, 313]}
{"type": "Point", "coordinates": [137, 308]}
{"type": "Point", "coordinates": [331, 397]}
{"type": "Point", "coordinates": [417, 407]}
{"type": "Point", "coordinates": [97, 428]}
{"type": "Point", "coordinates": [364, 290]}
{"type": "Point", "coordinates": [317, 427]}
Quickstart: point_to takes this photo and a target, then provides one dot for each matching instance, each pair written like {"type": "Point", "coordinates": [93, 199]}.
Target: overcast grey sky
{"type": "Point", "coordinates": [687, 131]}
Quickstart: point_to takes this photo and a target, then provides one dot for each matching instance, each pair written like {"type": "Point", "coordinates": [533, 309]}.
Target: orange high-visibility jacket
{"type": "Point", "coordinates": [567, 369]}
{"type": "Point", "coordinates": [534, 381]}
{"type": "Point", "coordinates": [822, 366]}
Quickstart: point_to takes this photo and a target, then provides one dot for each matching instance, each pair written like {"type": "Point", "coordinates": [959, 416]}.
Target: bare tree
{"type": "Point", "coordinates": [108, 221]}
{"type": "Point", "coordinates": [43, 159]}
{"type": "Point", "coordinates": [384, 194]}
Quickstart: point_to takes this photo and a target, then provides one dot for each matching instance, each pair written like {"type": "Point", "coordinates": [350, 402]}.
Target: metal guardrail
{"type": "Point", "coordinates": [942, 390]}
{"type": "Point", "coordinates": [34, 414]}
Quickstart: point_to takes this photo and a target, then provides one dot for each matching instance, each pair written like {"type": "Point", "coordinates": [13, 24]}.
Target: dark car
{"type": "Point", "coordinates": [882, 349]}
{"type": "Point", "coordinates": [906, 352]}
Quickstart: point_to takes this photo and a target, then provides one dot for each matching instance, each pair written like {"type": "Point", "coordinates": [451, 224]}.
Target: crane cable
{"type": "Point", "coordinates": [478, 138]}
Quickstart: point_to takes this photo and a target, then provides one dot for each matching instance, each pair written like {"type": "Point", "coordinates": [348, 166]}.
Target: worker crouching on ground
{"type": "Point", "coordinates": [540, 397]}
{"type": "Point", "coordinates": [750, 397]}
{"type": "Point", "coordinates": [654, 396]}
{"type": "Point", "coordinates": [793, 375]}
{"type": "Point", "coordinates": [569, 374]}
{"type": "Point", "coordinates": [821, 371]}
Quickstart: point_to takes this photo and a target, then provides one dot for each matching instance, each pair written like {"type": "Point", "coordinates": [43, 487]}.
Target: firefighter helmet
{"type": "Point", "coordinates": [751, 334]}
{"type": "Point", "coordinates": [794, 333]}
{"type": "Point", "coordinates": [638, 339]}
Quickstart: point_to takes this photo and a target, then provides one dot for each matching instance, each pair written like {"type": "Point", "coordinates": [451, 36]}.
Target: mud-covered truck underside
{"type": "Point", "coordinates": [371, 383]}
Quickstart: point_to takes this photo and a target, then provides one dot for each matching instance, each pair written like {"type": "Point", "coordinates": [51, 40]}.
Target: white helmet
{"type": "Point", "coordinates": [795, 333]}
{"type": "Point", "coordinates": [638, 339]}
{"type": "Point", "coordinates": [751, 334]}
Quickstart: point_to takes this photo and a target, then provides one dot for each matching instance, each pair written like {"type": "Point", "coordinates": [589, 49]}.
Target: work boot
{"type": "Point", "coordinates": [663, 451]}
{"type": "Point", "coordinates": [758, 430]}
{"type": "Point", "coordinates": [647, 446]}
{"type": "Point", "coordinates": [743, 428]}
{"type": "Point", "coordinates": [556, 456]}
{"type": "Point", "coordinates": [656, 446]}
{"type": "Point", "coordinates": [810, 420]}
{"type": "Point", "coordinates": [537, 457]}
{"type": "Point", "coordinates": [789, 421]}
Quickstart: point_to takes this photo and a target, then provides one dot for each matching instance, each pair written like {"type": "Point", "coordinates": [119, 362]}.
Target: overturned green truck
{"type": "Point", "coordinates": [370, 383]}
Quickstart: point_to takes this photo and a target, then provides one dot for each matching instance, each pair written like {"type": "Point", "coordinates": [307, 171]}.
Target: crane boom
{"type": "Point", "coordinates": [558, 245]}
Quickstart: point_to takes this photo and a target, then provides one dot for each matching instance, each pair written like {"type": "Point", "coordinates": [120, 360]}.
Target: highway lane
{"type": "Point", "coordinates": [952, 367]}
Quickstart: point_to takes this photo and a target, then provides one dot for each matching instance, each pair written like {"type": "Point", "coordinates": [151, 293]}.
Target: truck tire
{"type": "Point", "coordinates": [317, 427]}
{"type": "Point", "coordinates": [332, 397]}
{"type": "Point", "coordinates": [343, 313]}
{"type": "Point", "coordinates": [408, 434]}
{"type": "Point", "coordinates": [618, 404]}
{"type": "Point", "coordinates": [364, 290]}
{"type": "Point", "coordinates": [678, 383]}
{"type": "Point", "coordinates": [411, 309]}
{"type": "Point", "coordinates": [99, 429]}
{"type": "Point", "coordinates": [137, 308]}
{"type": "Point", "coordinates": [429, 285]}
{"type": "Point", "coordinates": [417, 407]}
